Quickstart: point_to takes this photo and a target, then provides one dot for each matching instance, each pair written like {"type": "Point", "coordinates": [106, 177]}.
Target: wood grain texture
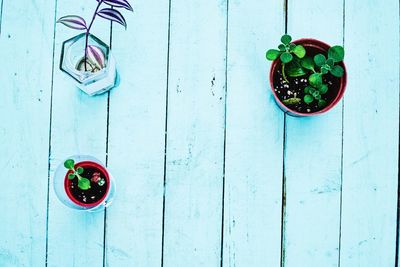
{"type": "Point", "coordinates": [313, 154]}
{"type": "Point", "coordinates": [195, 143]}
{"type": "Point", "coordinates": [224, 141]}
{"type": "Point", "coordinates": [136, 137]}
{"type": "Point", "coordinates": [254, 138]}
{"type": "Point", "coordinates": [371, 125]}
{"type": "Point", "coordinates": [24, 137]}
{"type": "Point", "coordinates": [79, 126]}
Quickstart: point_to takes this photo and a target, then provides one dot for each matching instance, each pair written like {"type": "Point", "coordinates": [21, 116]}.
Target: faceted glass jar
{"type": "Point", "coordinates": [60, 185]}
{"type": "Point", "coordinates": [72, 62]}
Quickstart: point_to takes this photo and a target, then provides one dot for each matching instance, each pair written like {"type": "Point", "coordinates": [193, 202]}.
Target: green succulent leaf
{"type": "Point", "coordinates": [71, 176]}
{"type": "Point", "coordinates": [319, 60]}
{"type": "Point", "coordinates": [337, 71]}
{"type": "Point", "coordinates": [84, 183]}
{"type": "Point", "coordinates": [315, 94]}
{"type": "Point", "coordinates": [273, 54]}
{"type": "Point", "coordinates": [308, 99]}
{"type": "Point", "coordinates": [330, 62]}
{"type": "Point", "coordinates": [282, 47]}
{"type": "Point", "coordinates": [79, 170]}
{"type": "Point", "coordinates": [285, 39]}
{"type": "Point", "coordinates": [286, 57]}
{"type": "Point", "coordinates": [324, 70]}
{"type": "Point", "coordinates": [315, 79]}
{"type": "Point", "coordinates": [69, 164]}
{"type": "Point", "coordinates": [294, 69]}
{"type": "Point", "coordinates": [307, 90]}
{"type": "Point", "coordinates": [291, 101]}
{"type": "Point", "coordinates": [336, 53]}
{"type": "Point", "coordinates": [307, 63]}
{"type": "Point", "coordinates": [292, 47]}
{"type": "Point", "coordinates": [299, 51]}
{"type": "Point", "coordinates": [323, 89]}
{"type": "Point", "coordinates": [322, 103]}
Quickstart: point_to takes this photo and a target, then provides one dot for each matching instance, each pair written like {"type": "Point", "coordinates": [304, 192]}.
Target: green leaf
{"type": "Point", "coordinates": [330, 62]}
{"type": "Point", "coordinates": [322, 103]}
{"type": "Point", "coordinates": [299, 51]}
{"type": "Point", "coordinates": [323, 89]}
{"type": "Point", "coordinates": [307, 63]}
{"type": "Point", "coordinates": [291, 101]}
{"type": "Point", "coordinates": [286, 57]}
{"type": "Point", "coordinates": [84, 183]}
{"type": "Point", "coordinates": [71, 176]}
{"type": "Point", "coordinates": [272, 54]}
{"type": "Point", "coordinates": [79, 170]}
{"type": "Point", "coordinates": [308, 99]}
{"type": "Point", "coordinates": [324, 70]}
{"type": "Point", "coordinates": [317, 95]}
{"type": "Point", "coordinates": [292, 47]}
{"type": "Point", "coordinates": [308, 90]}
{"type": "Point", "coordinates": [315, 80]}
{"type": "Point", "coordinates": [336, 53]}
{"type": "Point", "coordinates": [319, 60]}
{"type": "Point", "coordinates": [337, 71]}
{"type": "Point", "coordinates": [285, 39]}
{"type": "Point", "coordinates": [282, 47]}
{"type": "Point", "coordinates": [294, 69]}
{"type": "Point", "coordinates": [69, 164]}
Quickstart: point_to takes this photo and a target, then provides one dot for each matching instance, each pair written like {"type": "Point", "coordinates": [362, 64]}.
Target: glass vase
{"type": "Point", "coordinates": [75, 63]}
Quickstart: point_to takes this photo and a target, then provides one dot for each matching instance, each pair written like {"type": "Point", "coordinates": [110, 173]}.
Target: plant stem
{"type": "Point", "coordinates": [283, 73]}
{"type": "Point", "coordinates": [88, 30]}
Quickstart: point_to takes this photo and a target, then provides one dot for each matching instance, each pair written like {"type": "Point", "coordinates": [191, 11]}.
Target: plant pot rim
{"type": "Point", "coordinates": [91, 164]}
{"type": "Point", "coordinates": [342, 87]}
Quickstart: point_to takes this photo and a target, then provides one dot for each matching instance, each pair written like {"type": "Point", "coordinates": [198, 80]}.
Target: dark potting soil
{"type": "Point", "coordinates": [94, 193]}
{"type": "Point", "coordinates": [296, 85]}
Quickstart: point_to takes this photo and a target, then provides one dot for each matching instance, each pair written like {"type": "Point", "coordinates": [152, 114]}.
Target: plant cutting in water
{"type": "Point", "coordinates": [312, 68]}
{"type": "Point", "coordinates": [83, 183]}
{"type": "Point", "coordinates": [94, 59]}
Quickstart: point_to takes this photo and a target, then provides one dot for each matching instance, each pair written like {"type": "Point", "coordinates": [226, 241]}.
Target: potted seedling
{"type": "Point", "coordinates": [85, 57]}
{"type": "Point", "coordinates": [307, 76]}
{"type": "Point", "coordinates": [82, 182]}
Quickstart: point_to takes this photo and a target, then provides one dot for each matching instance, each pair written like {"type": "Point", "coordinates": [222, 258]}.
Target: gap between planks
{"type": "Point", "coordinates": [50, 127]}
{"type": "Point", "coordinates": [165, 134]}
{"type": "Point", "coordinates": [225, 119]}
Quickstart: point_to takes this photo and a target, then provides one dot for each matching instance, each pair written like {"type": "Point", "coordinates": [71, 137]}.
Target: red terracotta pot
{"type": "Point", "coordinates": [308, 42]}
{"type": "Point", "coordinates": [87, 164]}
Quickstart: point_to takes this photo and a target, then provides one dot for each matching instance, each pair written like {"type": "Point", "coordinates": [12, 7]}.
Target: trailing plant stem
{"type": "Point", "coordinates": [88, 30]}
{"type": "Point", "coordinates": [283, 73]}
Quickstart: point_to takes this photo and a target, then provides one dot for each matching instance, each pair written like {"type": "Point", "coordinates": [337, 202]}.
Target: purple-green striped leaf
{"type": "Point", "coordinates": [73, 22]}
{"type": "Point", "coordinates": [96, 56]}
{"type": "Point", "coordinates": [118, 3]}
{"type": "Point", "coordinates": [113, 15]}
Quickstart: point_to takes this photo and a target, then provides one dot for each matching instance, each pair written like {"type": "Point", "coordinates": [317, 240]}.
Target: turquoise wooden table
{"type": "Point", "coordinates": [209, 171]}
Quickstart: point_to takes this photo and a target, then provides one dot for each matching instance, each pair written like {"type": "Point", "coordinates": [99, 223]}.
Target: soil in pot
{"type": "Point", "coordinates": [95, 194]}
{"type": "Point", "coordinates": [296, 85]}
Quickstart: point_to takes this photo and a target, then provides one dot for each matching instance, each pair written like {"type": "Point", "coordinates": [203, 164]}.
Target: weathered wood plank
{"type": "Point", "coordinates": [313, 154]}
{"type": "Point", "coordinates": [371, 125]}
{"type": "Point", "coordinates": [1, 13]}
{"type": "Point", "coordinates": [195, 143]}
{"type": "Point", "coordinates": [254, 138]}
{"type": "Point", "coordinates": [136, 137]}
{"type": "Point", "coordinates": [26, 56]}
{"type": "Point", "coordinates": [79, 126]}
